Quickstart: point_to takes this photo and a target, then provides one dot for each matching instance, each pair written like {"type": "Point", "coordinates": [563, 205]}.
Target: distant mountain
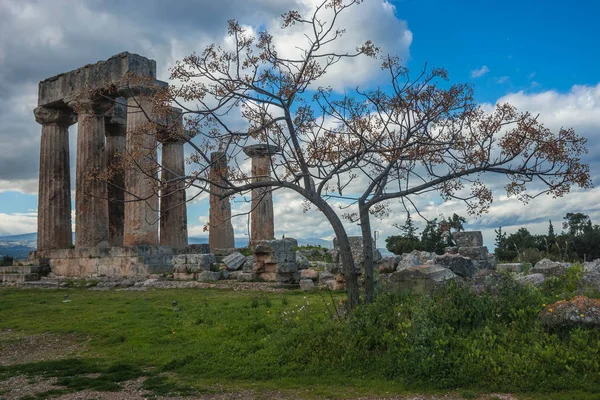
{"type": "Point", "coordinates": [18, 238]}
{"type": "Point", "coordinates": [19, 246]}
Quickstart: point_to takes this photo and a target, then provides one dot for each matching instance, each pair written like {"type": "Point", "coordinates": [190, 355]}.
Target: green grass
{"type": "Point", "coordinates": [453, 340]}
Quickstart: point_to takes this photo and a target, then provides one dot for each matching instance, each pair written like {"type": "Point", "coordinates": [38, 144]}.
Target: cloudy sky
{"type": "Point", "coordinates": [540, 55]}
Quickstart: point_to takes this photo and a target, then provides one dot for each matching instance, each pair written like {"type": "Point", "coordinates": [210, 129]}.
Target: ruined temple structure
{"type": "Point", "coordinates": [107, 217]}
{"type": "Point", "coordinates": [123, 228]}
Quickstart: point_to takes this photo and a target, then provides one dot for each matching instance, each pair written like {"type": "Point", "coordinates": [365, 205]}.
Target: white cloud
{"type": "Point", "coordinates": [480, 72]}
{"type": "Point", "coordinates": [17, 223]}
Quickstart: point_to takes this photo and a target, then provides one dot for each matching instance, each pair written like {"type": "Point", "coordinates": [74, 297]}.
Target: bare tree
{"type": "Point", "coordinates": [419, 136]}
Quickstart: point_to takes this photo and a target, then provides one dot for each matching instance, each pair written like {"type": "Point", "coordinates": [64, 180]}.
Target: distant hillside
{"type": "Point", "coordinates": [19, 246]}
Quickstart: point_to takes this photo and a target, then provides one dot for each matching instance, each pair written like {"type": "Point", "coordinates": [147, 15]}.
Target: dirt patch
{"type": "Point", "coordinates": [20, 348]}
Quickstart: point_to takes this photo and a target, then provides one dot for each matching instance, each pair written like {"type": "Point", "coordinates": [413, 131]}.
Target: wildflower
{"type": "Point", "coordinates": [543, 305]}
{"type": "Point", "coordinates": [550, 310]}
{"type": "Point", "coordinates": [581, 315]}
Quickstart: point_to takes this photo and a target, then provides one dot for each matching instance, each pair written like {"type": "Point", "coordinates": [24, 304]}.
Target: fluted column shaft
{"type": "Point", "coordinates": [141, 200]}
{"type": "Point", "coordinates": [115, 149]}
{"type": "Point", "coordinates": [262, 221]}
{"type": "Point", "coordinates": [173, 210]}
{"type": "Point", "coordinates": [91, 206]}
{"type": "Point", "coordinates": [262, 224]}
{"type": "Point", "coordinates": [54, 195]}
{"type": "Point", "coordinates": [220, 234]}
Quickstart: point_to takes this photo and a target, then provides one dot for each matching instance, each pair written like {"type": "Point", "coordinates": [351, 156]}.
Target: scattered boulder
{"type": "Point", "coordinates": [549, 268]}
{"type": "Point", "coordinates": [209, 276]}
{"type": "Point", "coordinates": [461, 266]}
{"type": "Point", "coordinates": [234, 261]}
{"type": "Point", "coordinates": [579, 312]}
{"type": "Point", "coordinates": [592, 266]}
{"type": "Point", "coordinates": [309, 274]}
{"type": "Point", "coordinates": [307, 285]}
{"type": "Point", "coordinates": [248, 265]}
{"type": "Point", "coordinates": [468, 239]}
{"type": "Point", "coordinates": [420, 279]}
{"type": "Point", "coordinates": [532, 279]}
{"type": "Point", "coordinates": [474, 253]}
{"type": "Point", "coordinates": [325, 276]}
{"type": "Point", "coordinates": [301, 261]}
{"type": "Point", "coordinates": [388, 264]}
{"type": "Point", "coordinates": [590, 281]}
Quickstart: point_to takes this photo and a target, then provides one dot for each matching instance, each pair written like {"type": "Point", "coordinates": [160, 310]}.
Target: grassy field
{"type": "Point", "coordinates": [238, 340]}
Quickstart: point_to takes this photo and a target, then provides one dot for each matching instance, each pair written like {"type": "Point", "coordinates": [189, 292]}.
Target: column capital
{"type": "Point", "coordinates": [59, 116]}
{"type": "Point", "coordinates": [93, 105]}
{"type": "Point", "coordinates": [261, 150]}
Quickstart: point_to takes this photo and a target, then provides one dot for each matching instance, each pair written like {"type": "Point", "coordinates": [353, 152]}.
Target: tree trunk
{"type": "Point", "coordinates": [345, 252]}
{"type": "Point", "coordinates": [368, 261]}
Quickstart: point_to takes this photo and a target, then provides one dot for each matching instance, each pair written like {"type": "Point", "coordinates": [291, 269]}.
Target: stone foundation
{"type": "Point", "coordinates": [126, 262]}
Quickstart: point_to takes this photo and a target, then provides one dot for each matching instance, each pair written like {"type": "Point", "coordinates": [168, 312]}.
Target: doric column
{"type": "Point", "coordinates": [141, 200]}
{"type": "Point", "coordinates": [262, 226]}
{"type": "Point", "coordinates": [220, 233]}
{"type": "Point", "coordinates": [173, 209]}
{"type": "Point", "coordinates": [54, 195]}
{"type": "Point", "coordinates": [91, 205]}
{"type": "Point", "coordinates": [116, 128]}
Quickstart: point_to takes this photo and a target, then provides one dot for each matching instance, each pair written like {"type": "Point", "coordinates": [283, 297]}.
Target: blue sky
{"type": "Point", "coordinates": [540, 55]}
{"type": "Point", "coordinates": [537, 45]}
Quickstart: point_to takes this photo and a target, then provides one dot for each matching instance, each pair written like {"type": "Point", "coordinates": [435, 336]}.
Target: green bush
{"type": "Point", "coordinates": [453, 338]}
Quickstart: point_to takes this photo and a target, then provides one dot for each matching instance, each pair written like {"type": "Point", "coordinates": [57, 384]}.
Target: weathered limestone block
{"type": "Point", "coordinates": [325, 276]}
{"type": "Point", "coordinates": [301, 261]}
{"type": "Point", "coordinates": [414, 259]}
{"type": "Point", "coordinates": [468, 239]}
{"type": "Point", "coordinates": [388, 264]}
{"type": "Point", "coordinates": [309, 274]}
{"type": "Point", "coordinates": [589, 282]}
{"type": "Point", "coordinates": [532, 279]}
{"type": "Point", "coordinates": [103, 74]}
{"type": "Point", "coordinates": [591, 266]}
{"type": "Point", "coordinates": [549, 268]}
{"type": "Point", "coordinates": [209, 276]}
{"type": "Point", "coordinates": [203, 261]}
{"type": "Point", "coordinates": [234, 261]}
{"type": "Point", "coordinates": [195, 249]}
{"type": "Point", "coordinates": [474, 253]}
{"type": "Point", "coordinates": [461, 266]}
{"type": "Point", "coordinates": [307, 285]}
{"type": "Point", "coordinates": [420, 279]}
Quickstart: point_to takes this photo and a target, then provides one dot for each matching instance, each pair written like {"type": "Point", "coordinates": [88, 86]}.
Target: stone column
{"type": "Point", "coordinates": [54, 196]}
{"type": "Point", "coordinates": [91, 206]}
{"type": "Point", "coordinates": [116, 128]}
{"type": "Point", "coordinates": [261, 218]}
{"type": "Point", "coordinates": [173, 210]}
{"type": "Point", "coordinates": [141, 199]}
{"type": "Point", "coordinates": [220, 233]}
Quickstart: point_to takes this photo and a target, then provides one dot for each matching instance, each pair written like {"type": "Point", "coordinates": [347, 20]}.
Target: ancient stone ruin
{"type": "Point", "coordinates": [123, 228]}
